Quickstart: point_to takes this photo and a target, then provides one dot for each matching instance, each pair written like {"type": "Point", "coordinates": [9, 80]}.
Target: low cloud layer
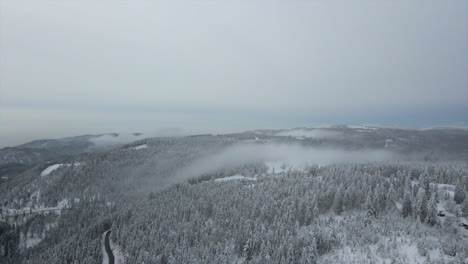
{"type": "Point", "coordinates": [294, 155]}
{"type": "Point", "coordinates": [125, 138]}
{"type": "Point", "coordinates": [315, 133]}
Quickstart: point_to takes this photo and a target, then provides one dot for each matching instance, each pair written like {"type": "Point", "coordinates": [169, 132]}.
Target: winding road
{"type": "Point", "coordinates": [110, 255]}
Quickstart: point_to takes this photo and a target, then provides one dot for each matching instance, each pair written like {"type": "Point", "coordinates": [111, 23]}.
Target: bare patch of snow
{"type": "Point", "coordinates": [63, 203]}
{"type": "Point", "coordinates": [49, 169]}
{"type": "Point", "coordinates": [445, 188]}
{"type": "Point", "coordinates": [29, 240]}
{"type": "Point", "coordinates": [235, 177]}
{"type": "Point", "coordinates": [32, 241]}
{"type": "Point", "coordinates": [387, 142]}
{"type": "Point", "coordinates": [141, 147]}
{"type": "Point", "coordinates": [407, 253]}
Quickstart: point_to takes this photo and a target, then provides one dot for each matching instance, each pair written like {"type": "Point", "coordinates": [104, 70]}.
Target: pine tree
{"type": "Point", "coordinates": [309, 253]}
{"type": "Point", "coordinates": [407, 209]}
{"type": "Point", "coordinates": [432, 211]}
{"type": "Point", "coordinates": [421, 204]}
{"type": "Point", "coordinates": [460, 192]}
{"type": "Point", "coordinates": [338, 202]}
{"type": "Point", "coordinates": [464, 207]}
{"type": "Point", "coordinates": [370, 204]}
{"type": "Point", "coordinates": [425, 183]}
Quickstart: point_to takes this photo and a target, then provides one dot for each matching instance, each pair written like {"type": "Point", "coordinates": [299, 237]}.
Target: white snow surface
{"type": "Point", "coordinates": [51, 168]}
{"type": "Point", "coordinates": [62, 204]}
{"type": "Point", "coordinates": [407, 252]}
{"type": "Point", "coordinates": [29, 240]}
{"type": "Point", "coordinates": [387, 142]}
{"type": "Point", "coordinates": [32, 241]}
{"type": "Point", "coordinates": [449, 188]}
{"type": "Point", "coordinates": [141, 147]}
{"type": "Point", "coordinates": [235, 177]}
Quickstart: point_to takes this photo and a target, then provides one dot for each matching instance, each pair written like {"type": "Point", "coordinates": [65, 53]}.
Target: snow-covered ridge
{"type": "Point", "coordinates": [115, 139]}
{"type": "Point", "coordinates": [302, 133]}
{"type": "Point", "coordinates": [360, 127]}
{"type": "Point", "coordinates": [323, 131]}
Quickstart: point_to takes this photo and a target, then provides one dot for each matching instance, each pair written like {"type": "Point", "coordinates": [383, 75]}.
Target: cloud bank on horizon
{"type": "Point", "coordinates": [69, 68]}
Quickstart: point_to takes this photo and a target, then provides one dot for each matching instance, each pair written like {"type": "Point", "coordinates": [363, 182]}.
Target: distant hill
{"type": "Point", "coordinates": [16, 159]}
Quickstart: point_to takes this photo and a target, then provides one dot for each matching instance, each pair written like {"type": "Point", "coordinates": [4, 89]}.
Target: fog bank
{"type": "Point", "coordinates": [295, 156]}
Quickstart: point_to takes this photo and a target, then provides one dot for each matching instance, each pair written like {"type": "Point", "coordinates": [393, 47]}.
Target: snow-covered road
{"type": "Point", "coordinates": [107, 247]}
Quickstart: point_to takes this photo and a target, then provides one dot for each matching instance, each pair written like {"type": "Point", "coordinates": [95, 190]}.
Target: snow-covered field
{"type": "Point", "coordinates": [29, 240]}
{"type": "Point", "coordinates": [51, 168]}
{"type": "Point", "coordinates": [406, 252]}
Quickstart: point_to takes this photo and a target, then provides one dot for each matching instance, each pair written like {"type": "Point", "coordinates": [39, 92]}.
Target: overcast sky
{"type": "Point", "coordinates": [73, 67]}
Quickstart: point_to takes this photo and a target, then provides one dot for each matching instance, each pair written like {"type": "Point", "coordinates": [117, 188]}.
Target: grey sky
{"type": "Point", "coordinates": [73, 67]}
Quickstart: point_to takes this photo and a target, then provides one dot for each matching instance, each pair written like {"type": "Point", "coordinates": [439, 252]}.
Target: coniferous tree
{"type": "Point", "coordinates": [464, 207]}
{"type": "Point", "coordinates": [460, 193]}
{"type": "Point", "coordinates": [421, 204]}
{"type": "Point", "coordinates": [432, 211]}
{"type": "Point", "coordinates": [407, 206]}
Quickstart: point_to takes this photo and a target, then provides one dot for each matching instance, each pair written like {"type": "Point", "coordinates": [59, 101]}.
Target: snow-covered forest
{"type": "Point", "coordinates": [255, 197]}
{"type": "Point", "coordinates": [233, 132]}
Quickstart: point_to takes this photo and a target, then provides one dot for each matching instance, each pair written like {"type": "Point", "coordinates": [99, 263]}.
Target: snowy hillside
{"type": "Point", "coordinates": [242, 198]}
